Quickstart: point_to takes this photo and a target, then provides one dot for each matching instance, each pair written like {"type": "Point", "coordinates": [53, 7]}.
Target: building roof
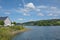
{"type": "Point", "coordinates": [3, 18]}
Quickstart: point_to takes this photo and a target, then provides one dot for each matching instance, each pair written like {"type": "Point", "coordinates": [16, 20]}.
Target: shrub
{"type": "Point", "coordinates": [1, 22]}
{"type": "Point", "coordinates": [17, 27]}
{"type": "Point", "coordinates": [14, 23]}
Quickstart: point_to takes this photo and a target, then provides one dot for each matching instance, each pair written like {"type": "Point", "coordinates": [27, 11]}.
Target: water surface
{"type": "Point", "coordinates": [40, 33]}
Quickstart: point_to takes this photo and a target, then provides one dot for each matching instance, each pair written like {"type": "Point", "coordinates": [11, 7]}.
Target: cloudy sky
{"type": "Point", "coordinates": [30, 10]}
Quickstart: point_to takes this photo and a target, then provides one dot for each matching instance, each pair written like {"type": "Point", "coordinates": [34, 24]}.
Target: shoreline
{"type": "Point", "coordinates": [17, 32]}
{"type": "Point", "coordinates": [7, 33]}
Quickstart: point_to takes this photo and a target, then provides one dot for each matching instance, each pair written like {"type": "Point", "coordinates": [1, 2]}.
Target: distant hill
{"type": "Point", "coordinates": [18, 23]}
{"type": "Point", "coordinates": [50, 22]}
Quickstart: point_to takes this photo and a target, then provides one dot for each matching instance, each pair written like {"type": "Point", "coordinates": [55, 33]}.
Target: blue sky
{"type": "Point", "coordinates": [30, 10]}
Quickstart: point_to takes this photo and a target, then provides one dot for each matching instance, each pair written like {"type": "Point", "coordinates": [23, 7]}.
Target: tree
{"type": "Point", "coordinates": [14, 23]}
{"type": "Point", "coordinates": [1, 22]}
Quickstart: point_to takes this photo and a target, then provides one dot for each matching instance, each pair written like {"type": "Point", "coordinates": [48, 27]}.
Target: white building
{"type": "Point", "coordinates": [6, 20]}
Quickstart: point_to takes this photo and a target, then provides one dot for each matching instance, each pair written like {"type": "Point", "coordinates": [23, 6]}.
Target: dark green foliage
{"type": "Point", "coordinates": [17, 27]}
{"type": "Point", "coordinates": [14, 23]}
{"type": "Point", "coordinates": [52, 22]}
{"type": "Point", "coordinates": [1, 22]}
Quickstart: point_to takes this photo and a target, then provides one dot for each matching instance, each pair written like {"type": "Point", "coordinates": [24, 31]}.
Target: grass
{"type": "Point", "coordinates": [6, 33]}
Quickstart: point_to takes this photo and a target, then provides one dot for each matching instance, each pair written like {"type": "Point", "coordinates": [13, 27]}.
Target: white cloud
{"type": "Point", "coordinates": [7, 12]}
{"type": "Point", "coordinates": [51, 14]}
{"type": "Point", "coordinates": [21, 19]}
{"type": "Point", "coordinates": [30, 5]}
{"type": "Point", "coordinates": [50, 10]}
{"type": "Point", "coordinates": [31, 20]}
{"type": "Point", "coordinates": [24, 10]}
{"type": "Point", "coordinates": [55, 15]}
{"type": "Point", "coordinates": [0, 7]}
{"type": "Point", "coordinates": [53, 8]}
{"type": "Point", "coordinates": [53, 11]}
{"type": "Point", "coordinates": [26, 14]}
{"type": "Point", "coordinates": [42, 6]}
{"type": "Point", "coordinates": [38, 10]}
{"type": "Point", "coordinates": [40, 14]}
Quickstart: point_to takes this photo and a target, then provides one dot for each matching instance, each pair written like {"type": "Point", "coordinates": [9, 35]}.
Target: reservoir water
{"type": "Point", "coordinates": [40, 33]}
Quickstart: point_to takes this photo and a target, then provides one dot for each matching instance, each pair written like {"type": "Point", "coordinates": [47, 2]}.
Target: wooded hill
{"type": "Point", "coordinates": [50, 22]}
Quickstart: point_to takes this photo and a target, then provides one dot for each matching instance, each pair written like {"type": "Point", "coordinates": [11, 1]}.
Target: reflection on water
{"type": "Point", "coordinates": [40, 33]}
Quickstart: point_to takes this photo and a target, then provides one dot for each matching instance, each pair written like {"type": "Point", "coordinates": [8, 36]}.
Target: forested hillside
{"type": "Point", "coordinates": [51, 22]}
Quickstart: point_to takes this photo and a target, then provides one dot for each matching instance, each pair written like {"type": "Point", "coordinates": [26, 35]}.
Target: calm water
{"type": "Point", "coordinates": [40, 33]}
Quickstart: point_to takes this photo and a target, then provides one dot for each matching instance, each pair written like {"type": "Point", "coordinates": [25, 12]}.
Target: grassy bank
{"type": "Point", "coordinates": [6, 33]}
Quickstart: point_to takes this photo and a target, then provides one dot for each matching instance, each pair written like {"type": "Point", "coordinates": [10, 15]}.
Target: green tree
{"type": "Point", "coordinates": [14, 23]}
{"type": "Point", "coordinates": [1, 22]}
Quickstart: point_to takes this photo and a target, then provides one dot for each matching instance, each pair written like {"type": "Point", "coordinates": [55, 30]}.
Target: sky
{"type": "Point", "coordinates": [30, 10]}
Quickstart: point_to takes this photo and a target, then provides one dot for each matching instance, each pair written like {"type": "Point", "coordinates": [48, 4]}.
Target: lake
{"type": "Point", "coordinates": [40, 33]}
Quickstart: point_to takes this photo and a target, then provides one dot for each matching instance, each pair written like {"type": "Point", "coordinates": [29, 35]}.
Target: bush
{"type": "Point", "coordinates": [17, 27]}
{"type": "Point", "coordinates": [13, 23]}
{"type": "Point", "coordinates": [1, 22]}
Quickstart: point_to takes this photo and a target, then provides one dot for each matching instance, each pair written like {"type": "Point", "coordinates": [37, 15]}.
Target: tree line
{"type": "Point", "coordinates": [51, 22]}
